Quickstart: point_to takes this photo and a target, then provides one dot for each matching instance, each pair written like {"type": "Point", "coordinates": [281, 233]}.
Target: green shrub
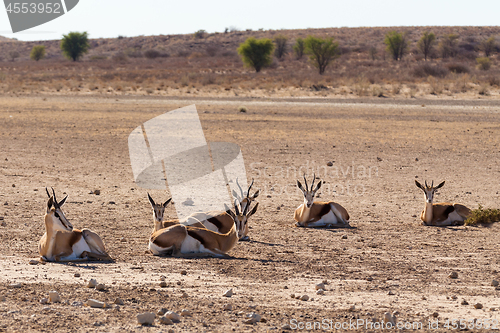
{"type": "Point", "coordinates": [426, 43]}
{"type": "Point", "coordinates": [74, 45]}
{"type": "Point", "coordinates": [426, 69]}
{"type": "Point", "coordinates": [488, 46]}
{"type": "Point", "coordinates": [321, 51]}
{"type": "Point", "coordinates": [280, 46]}
{"type": "Point", "coordinates": [299, 48]}
{"type": "Point", "coordinates": [448, 46]}
{"type": "Point", "coordinates": [256, 53]}
{"type": "Point", "coordinates": [483, 216]}
{"type": "Point", "coordinates": [458, 68]}
{"type": "Point", "coordinates": [483, 63]}
{"type": "Point", "coordinates": [199, 34]}
{"type": "Point", "coordinates": [396, 44]}
{"type": "Point", "coordinates": [152, 54]}
{"type": "Point", "coordinates": [37, 52]}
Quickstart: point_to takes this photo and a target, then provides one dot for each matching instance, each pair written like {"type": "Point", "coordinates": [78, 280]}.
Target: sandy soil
{"type": "Point", "coordinates": [387, 262]}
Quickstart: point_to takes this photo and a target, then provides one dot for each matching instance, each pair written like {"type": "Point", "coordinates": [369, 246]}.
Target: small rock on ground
{"type": "Point", "coordinates": [146, 318]}
{"type": "Point", "coordinates": [228, 293]}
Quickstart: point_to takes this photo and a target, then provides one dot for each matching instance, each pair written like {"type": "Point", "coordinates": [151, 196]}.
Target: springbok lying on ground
{"type": "Point", "coordinates": [441, 214]}
{"type": "Point", "coordinates": [218, 221]}
{"type": "Point", "coordinates": [63, 243]}
{"type": "Point", "coordinates": [319, 214]}
{"type": "Point", "coordinates": [188, 239]}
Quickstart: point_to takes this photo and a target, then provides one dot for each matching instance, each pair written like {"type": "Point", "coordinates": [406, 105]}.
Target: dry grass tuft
{"type": "Point", "coordinates": [483, 216]}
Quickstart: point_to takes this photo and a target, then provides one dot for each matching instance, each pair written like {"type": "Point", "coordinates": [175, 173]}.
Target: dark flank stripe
{"type": "Point", "coordinates": [325, 210]}
{"type": "Point", "coordinates": [448, 210]}
{"type": "Point", "coordinates": [195, 235]}
{"type": "Point", "coordinates": [215, 221]}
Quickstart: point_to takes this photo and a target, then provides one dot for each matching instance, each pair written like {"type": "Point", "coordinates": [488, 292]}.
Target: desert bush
{"type": "Point", "coordinates": [134, 53]}
{"type": "Point", "coordinates": [426, 43]}
{"type": "Point", "coordinates": [199, 34]}
{"type": "Point", "coordinates": [396, 44]}
{"type": "Point", "coordinates": [152, 54]}
{"type": "Point", "coordinates": [494, 81]}
{"type": "Point", "coordinates": [483, 90]}
{"type": "Point", "coordinates": [462, 83]}
{"type": "Point", "coordinates": [74, 45]}
{"type": "Point", "coordinates": [483, 63]}
{"type": "Point", "coordinates": [299, 48]}
{"type": "Point", "coordinates": [119, 57]}
{"type": "Point", "coordinates": [183, 53]}
{"type": "Point", "coordinates": [321, 51]}
{"type": "Point", "coordinates": [448, 46]}
{"type": "Point", "coordinates": [37, 52]}
{"type": "Point", "coordinates": [13, 55]}
{"type": "Point", "coordinates": [280, 48]}
{"type": "Point", "coordinates": [256, 53]}
{"type": "Point", "coordinates": [229, 53]}
{"type": "Point", "coordinates": [425, 70]}
{"type": "Point", "coordinates": [98, 57]}
{"type": "Point", "coordinates": [372, 52]}
{"type": "Point", "coordinates": [488, 46]}
{"type": "Point", "coordinates": [436, 86]}
{"type": "Point", "coordinates": [211, 50]}
{"type": "Point", "coordinates": [483, 216]}
{"type": "Point", "coordinates": [458, 68]}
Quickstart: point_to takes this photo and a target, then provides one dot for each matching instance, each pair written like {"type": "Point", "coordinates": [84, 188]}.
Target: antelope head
{"type": "Point", "coordinates": [158, 211]}
{"type": "Point", "coordinates": [429, 190]}
{"type": "Point", "coordinates": [241, 217]}
{"type": "Point", "coordinates": [54, 215]}
{"type": "Point", "coordinates": [309, 193]}
{"type": "Point", "coordinates": [245, 200]}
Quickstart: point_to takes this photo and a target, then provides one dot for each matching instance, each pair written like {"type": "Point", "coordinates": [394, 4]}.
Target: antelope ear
{"type": "Point", "coordinates": [50, 202]}
{"type": "Point", "coordinates": [151, 201]}
{"type": "Point", "coordinates": [62, 201]}
{"type": "Point", "coordinates": [419, 185]}
{"type": "Point", "coordinates": [167, 202]}
{"type": "Point", "coordinates": [440, 185]}
{"type": "Point", "coordinates": [318, 186]}
{"type": "Point", "coordinates": [229, 211]}
{"type": "Point", "coordinates": [253, 211]}
{"type": "Point", "coordinates": [256, 194]}
{"type": "Point", "coordinates": [299, 185]}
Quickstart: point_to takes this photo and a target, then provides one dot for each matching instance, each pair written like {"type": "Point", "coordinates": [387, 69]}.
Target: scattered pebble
{"type": "Point", "coordinates": [478, 306]}
{"type": "Point", "coordinates": [464, 302]}
{"type": "Point", "coordinates": [390, 293]}
{"type": "Point", "coordinates": [228, 293]}
{"type": "Point", "coordinates": [146, 318]}
{"type": "Point", "coordinates": [123, 240]}
{"type": "Point", "coordinates": [325, 282]}
{"type": "Point", "coordinates": [15, 285]}
{"type": "Point", "coordinates": [163, 284]}
{"type": "Point", "coordinates": [173, 316]}
{"type": "Point", "coordinates": [344, 237]}
{"type": "Point", "coordinates": [252, 318]}
{"type": "Point", "coordinates": [286, 327]}
{"type": "Point", "coordinates": [186, 313]}
{"type": "Point", "coordinates": [184, 272]}
{"type": "Point", "coordinates": [92, 283]}
{"type": "Point", "coordinates": [119, 301]}
{"type": "Point", "coordinates": [228, 307]}
{"type": "Point", "coordinates": [320, 286]}
{"type": "Point", "coordinates": [100, 287]}
{"type": "Point", "coordinates": [95, 303]}
{"type": "Point", "coordinates": [435, 314]}
{"type": "Point", "coordinates": [34, 262]}
{"type": "Point", "coordinates": [320, 292]}
{"type": "Point", "coordinates": [76, 303]}
{"type": "Point", "coordinates": [494, 283]}
{"type": "Point", "coordinates": [54, 297]}
{"type": "Point", "coordinates": [44, 300]}
{"type": "Point", "coordinates": [329, 163]}
{"type": "Point", "coordinates": [352, 308]}
{"type": "Point", "coordinates": [77, 275]}
{"type": "Point", "coordinates": [184, 295]}
{"type": "Point", "coordinates": [161, 311]}
{"type": "Point", "coordinates": [388, 318]}
{"type": "Point", "coordinates": [453, 275]}
{"type": "Point", "coordinates": [292, 295]}
{"type": "Point", "coordinates": [369, 279]}
{"type": "Point", "coordinates": [165, 321]}
{"type": "Point", "coordinates": [304, 297]}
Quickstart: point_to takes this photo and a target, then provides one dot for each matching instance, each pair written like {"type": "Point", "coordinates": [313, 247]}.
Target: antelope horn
{"type": "Point", "coordinates": [305, 180]}
{"type": "Point", "coordinates": [432, 185]}
{"type": "Point", "coordinates": [47, 190]}
{"type": "Point", "coordinates": [426, 184]}
{"type": "Point", "coordinates": [56, 204]}
{"type": "Point", "coordinates": [314, 179]}
{"type": "Point", "coordinates": [241, 190]}
{"type": "Point", "coordinates": [249, 187]}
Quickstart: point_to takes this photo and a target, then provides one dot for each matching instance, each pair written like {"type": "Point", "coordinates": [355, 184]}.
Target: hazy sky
{"type": "Point", "coordinates": [111, 18]}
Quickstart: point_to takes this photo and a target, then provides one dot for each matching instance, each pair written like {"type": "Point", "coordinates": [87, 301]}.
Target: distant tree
{"type": "Point", "coordinates": [426, 43]}
{"type": "Point", "coordinates": [13, 55]}
{"type": "Point", "coordinates": [74, 45]}
{"type": "Point", "coordinates": [488, 46]}
{"type": "Point", "coordinates": [321, 51]}
{"type": "Point", "coordinates": [448, 46]}
{"type": "Point", "coordinates": [280, 46]}
{"type": "Point", "coordinates": [396, 44]}
{"type": "Point", "coordinates": [299, 48]}
{"type": "Point", "coordinates": [37, 52]}
{"type": "Point", "coordinates": [256, 53]}
{"type": "Point", "coordinates": [199, 34]}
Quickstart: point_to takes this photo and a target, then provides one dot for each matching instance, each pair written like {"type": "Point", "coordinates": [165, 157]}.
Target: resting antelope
{"type": "Point", "coordinates": [188, 239]}
{"type": "Point", "coordinates": [158, 214]}
{"type": "Point", "coordinates": [318, 214]}
{"type": "Point", "coordinates": [441, 214]}
{"type": "Point", "coordinates": [63, 243]}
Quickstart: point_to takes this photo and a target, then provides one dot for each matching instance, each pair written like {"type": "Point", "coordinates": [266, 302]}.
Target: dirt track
{"type": "Point", "coordinates": [79, 144]}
